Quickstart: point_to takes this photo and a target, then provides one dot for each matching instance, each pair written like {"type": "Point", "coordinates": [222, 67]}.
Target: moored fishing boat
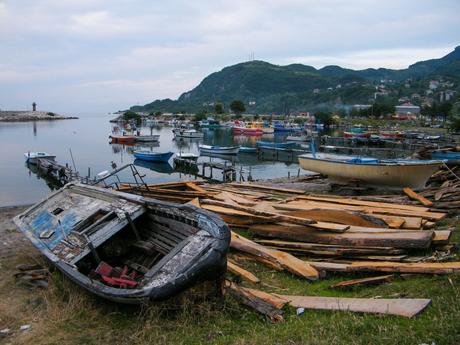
{"type": "Point", "coordinates": [226, 150]}
{"type": "Point", "coordinates": [153, 156]}
{"type": "Point", "coordinates": [392, 173]}
{"type": "Point", "coordinates": [247, 128]}
{"type": "Point", "coordinates": [302, 138]}
{"type": "Point", "coordinates": [31, 157]}
{"type": "Point", "coordinates": [122, 138]}
{"type": "Point", "coordinates": [187, 133]}
{"type": "Point", "coordinates": [147, 138]}
{"type": "Point", "coordinates": [245, 149]}
{"type": "Point", "coordinates": [275, 145]}
{"type": "Point", "coordinates": [187, 155]}
{"type": "Point", "coordinates": [124, 247]}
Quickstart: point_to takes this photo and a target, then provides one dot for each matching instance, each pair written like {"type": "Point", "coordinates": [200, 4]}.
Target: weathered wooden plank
{"type": "Point", "coordinates": [360, 281]}
{"type": "Point", "coordinates": [269, 188]}
{"type": "Point", "coordinates": [287, 261]}
{"type": "Point", "coordinates": [414, 196]}
{"type": "Point", "coordinates": [241, 272]}
{"type": "Point", "coordinates": [262, 305]}
{"type": "Point", "coordinates": [407, 307]}
{"type": "Point", "coordinates": [393, 267]}
{"type": "Point", "coordinates": [401, 239]}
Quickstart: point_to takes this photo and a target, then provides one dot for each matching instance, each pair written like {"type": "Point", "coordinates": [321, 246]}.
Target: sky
{"type": "Point", "coordinates": [99, 56]}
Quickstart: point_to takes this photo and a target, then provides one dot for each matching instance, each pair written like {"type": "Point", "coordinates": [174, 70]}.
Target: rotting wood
{"type": "Point", "coordinates": [393, 267]}
{"type": "Point", "coordinates": [396, 239]}
{"type": "Point", "coordinates": [270, 188]}
{"type": "Point", "coordinates": [241, 272]}
{"type": "Point", "coordinates": [411, 194]}
{"type": "Point", "coordinates": [407, 307]}
{"type": "Point", "coordinates": [254, 258]}
{"type": "Point", "coordinates": [287, 261]}
{"type": "Point", "coordinates": [360, 281]}
{"type": "Point", "coordinates": [265, 306]}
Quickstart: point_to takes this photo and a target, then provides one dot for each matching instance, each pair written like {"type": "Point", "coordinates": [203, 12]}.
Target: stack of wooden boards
{"type": "Point", "coordinates": [309, 235]}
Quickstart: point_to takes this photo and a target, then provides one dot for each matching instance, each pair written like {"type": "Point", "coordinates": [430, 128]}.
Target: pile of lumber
{"type": "Point", "coordinates": [309, 235]}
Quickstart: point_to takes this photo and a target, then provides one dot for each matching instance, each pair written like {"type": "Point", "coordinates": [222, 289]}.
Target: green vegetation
{"type": "Point", "coordinates": [237, 106]}
{"type": "Point", "coordinates": [283, 89]}
{"type": "Point", "coordinates": [219, 108]}
{"type": "Point", "coordinates": [131, 115]}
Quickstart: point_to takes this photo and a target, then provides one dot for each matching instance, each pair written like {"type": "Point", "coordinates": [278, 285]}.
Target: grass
{"type": "Point", "coordinates": [66, 314]}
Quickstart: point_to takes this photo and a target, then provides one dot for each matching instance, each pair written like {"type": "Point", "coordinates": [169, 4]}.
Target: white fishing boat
{"type": "Point", "coordinates": [187, 155]}
{"type": "Point", "coordinates": [398, 173]}
{"type": "Point", "coordinates": [225, 150]}
{"type": "Point", "coordinates": [187, 133]}
{"type": "Point", "coordinates": [147, 138]}
{"type": "Point", "coordinates": [301, 138]}
{"type": "Point", "coordinates": [31, 157]}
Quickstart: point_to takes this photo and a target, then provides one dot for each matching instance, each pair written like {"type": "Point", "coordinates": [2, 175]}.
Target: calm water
{"type": "Point", "coordinates": [88, 140]}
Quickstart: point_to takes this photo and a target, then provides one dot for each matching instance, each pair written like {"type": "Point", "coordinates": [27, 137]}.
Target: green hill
{"type": "Point", "coordinates": [276, 88]}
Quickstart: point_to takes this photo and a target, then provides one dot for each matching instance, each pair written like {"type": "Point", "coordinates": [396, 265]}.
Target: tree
{"type": "Point", "coordinates": [324, 117]}
{"type": "Point", "coordinates": [219, 108]}
{"type": "Point", "coordinates": [131, 115]}
{"type": "Point", "coordinates": [201, 115]}
{"type": "Point", "coordinates": [237, 106]}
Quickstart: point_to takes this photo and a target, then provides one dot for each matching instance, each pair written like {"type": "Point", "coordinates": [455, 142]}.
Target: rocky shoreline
{"type": "Point", "coordinates": [22, 116]}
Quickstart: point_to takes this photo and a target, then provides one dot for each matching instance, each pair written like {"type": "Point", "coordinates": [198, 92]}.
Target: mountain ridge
{"type": "Point", "coordinates": [271, 86]}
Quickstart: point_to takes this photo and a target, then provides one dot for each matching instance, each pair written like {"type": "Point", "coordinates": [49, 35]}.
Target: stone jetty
{"type": "Point", "coordinates": [12, 116]}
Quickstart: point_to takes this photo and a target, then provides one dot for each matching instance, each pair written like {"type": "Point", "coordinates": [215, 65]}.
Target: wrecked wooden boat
{"type": "Point", "coordinates": [124, 247]}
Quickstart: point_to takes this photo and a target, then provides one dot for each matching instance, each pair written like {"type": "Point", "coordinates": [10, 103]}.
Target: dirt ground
{"type": "Point", "coordinates": [10, 237]}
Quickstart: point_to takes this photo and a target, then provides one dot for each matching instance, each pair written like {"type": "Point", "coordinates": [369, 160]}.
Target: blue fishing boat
{"type": "Point", "coordinates": [153, 156]}
{"type": "Point", "coordinates": [275, 145]}
{"type": "Point", "coordinates": [245, 149]}
{"type": "Point", "coordinates": [449, 157]}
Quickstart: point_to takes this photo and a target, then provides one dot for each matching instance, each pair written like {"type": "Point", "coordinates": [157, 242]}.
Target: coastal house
{"type": "Point", "coordinates": [407, 111]}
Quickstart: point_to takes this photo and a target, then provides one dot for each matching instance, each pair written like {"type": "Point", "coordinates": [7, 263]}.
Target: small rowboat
{"type": "Point", "coordinates": [225, 150]}
{"type": "Point", "coordinates": [187, 155]}
{"type": "Point", "coordinates": [31, 157]}
{"type": "Point", "coordinates": [147, 138]}
{"type": "Point", "coordinates": [372, 171]}
{"type": "Point", "coordinates": [357, 134]}
{"type": "Point", "coordinates": [152, 156]}
{"type": "Point", "coordinates": [124, 247]}
{"type": "Point", "coordinates": [275, 145]}
{"type": "Point", "coordinates": [122, 138]}
{"type": "Point", "coordinates": [302, 138]}
{"type": "Point", "coordinates": [245, 149]}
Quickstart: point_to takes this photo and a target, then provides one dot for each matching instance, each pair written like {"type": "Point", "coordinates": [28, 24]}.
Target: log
{"type": "Point", "coordinates": [441, 236]}
{"type": "Point", "coordinates": [264, 306]}
{"type": "Point", "coordinates": [407, 307]}
{"type": "Point", "coordinates": [414, 196]}
{"type": "Point", "coordinates": [402, 239]}
{"type": "Point", "coordinates": [241, 272]}
{"type": "Point", "coordinates": [393, 267]}
{"type": "Point", "coordinates": [360, 281]}
{"type": "Point", "coordinates": [335, 249]}
{"type": "Point", "coordinates": [340, 217]}
{"type": "Point", "coordinates": [287, 261]}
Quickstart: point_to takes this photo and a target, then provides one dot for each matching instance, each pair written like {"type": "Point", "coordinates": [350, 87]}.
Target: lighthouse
{"type": "Point", "coordinates": [34, 106]}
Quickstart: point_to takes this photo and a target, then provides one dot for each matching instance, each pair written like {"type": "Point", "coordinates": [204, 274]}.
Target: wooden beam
{"type": "Point", "coordinates": [407, 307]}
{"type": "Point", "coordinates": [241, 272]}
{"type": "Point", "coordinates": [287, 261]}
{"type": "Point", "coordinates": [414, 196]}
{"type": "Point", "coordinates": [360, 281]}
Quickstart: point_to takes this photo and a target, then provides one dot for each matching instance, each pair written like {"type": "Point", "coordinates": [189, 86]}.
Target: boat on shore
{"type": "Point", "coordinates": [275, 145]}
{"type": "Point", "coordinates": [187, 133]}
{"type": "Point", "coordinates": [224, 150]}
{"type": "Point", "coordinates": [32, 157]}
{"type": "Point", "coordinates": [153, 156]}
{"type": "Point", "coordinates": [391, 173]}
{"type": "Point", "coordinates": [124, 247]}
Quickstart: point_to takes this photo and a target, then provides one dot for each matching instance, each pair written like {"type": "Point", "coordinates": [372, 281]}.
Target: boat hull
{"type": "Point", "coordinates": [188, 134]}
{"type": "Point", "coordinates": [153, 157]}
{"type": "Point", "coordinates": [147, 138]}
{"type": "Point", "coordinates": [414, 176]}
{"type": "Point", "coordinates": [200, 256]}
{"type": "Point", "coordinates": [275, 145]}
{"type": "Point", "coordinates": [232, 150]}
{"type": "Point", "coordinates": [122, 138]}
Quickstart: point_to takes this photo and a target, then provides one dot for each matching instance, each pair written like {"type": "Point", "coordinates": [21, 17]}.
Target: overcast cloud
{"type": "Point", "coordinates": [76, 56]}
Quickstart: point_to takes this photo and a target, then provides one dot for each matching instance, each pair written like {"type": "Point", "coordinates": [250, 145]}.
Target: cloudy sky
{"type": "Point", "coordinates": [76, 56]}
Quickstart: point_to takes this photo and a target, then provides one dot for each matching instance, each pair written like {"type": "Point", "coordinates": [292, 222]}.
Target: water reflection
{"type": "Point", "coordinates": [161, 167]}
